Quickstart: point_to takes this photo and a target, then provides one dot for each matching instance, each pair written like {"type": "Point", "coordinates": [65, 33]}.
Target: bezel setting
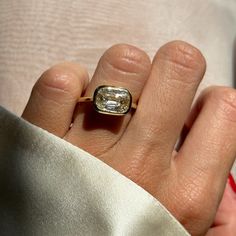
{"type": "Point", "coordinates": [112, 100]}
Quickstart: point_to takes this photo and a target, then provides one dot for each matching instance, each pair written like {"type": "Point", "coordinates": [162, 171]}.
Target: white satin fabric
{"type": "Point", "coordinates": [49, 187]}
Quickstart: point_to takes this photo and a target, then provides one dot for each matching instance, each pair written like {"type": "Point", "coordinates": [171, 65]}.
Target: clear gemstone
{"type": "Point", "coordinates": [113, 100]}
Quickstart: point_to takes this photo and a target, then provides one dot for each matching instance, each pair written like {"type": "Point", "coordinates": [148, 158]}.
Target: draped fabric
{"type": "Point", "coordinates": [49, 187]}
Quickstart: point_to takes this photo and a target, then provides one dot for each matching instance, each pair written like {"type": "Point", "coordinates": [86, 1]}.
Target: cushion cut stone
{"type": "Point", "coordinates": [112, 100]}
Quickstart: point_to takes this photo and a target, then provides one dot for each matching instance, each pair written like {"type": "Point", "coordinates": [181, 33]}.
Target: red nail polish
{"type": "Point", "coordinates": [232, 183]}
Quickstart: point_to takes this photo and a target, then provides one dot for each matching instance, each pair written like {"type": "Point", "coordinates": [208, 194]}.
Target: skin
{"type": "Point", "coordinates": [189, 181]}
{"type": "Point", "coordinates": [225, 221]}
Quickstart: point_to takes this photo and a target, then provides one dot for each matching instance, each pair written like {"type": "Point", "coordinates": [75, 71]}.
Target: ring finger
{"type": "Point", "coordinates": [122, 66]}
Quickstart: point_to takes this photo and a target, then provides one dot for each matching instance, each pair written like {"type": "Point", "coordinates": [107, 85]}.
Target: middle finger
{"type": "Point", "coordinates": [166, 99]}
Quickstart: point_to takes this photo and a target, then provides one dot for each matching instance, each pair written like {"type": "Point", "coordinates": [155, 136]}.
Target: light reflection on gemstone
{"type": "Point", "coordinates": [113, 100]}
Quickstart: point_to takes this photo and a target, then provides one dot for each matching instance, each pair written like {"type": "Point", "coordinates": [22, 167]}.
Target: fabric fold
{"type": "Point", "coordinates": [50, 187]}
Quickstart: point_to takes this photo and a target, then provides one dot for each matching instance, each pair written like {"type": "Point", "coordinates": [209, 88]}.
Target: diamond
{"type": "Point", "coordinates": [112, 100]}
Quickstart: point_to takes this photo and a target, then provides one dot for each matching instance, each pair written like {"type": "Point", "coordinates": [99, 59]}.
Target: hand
{"type": "Point", "coordinates": [190, 181]}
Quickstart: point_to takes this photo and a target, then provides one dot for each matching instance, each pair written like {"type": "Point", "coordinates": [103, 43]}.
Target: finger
{"type": "Point", "coordinates": [226, 213]}
{"type": "Point", "coordinates": [228, 230]}
{"type": "Point", "coordinates": [209, 149]}
{"type": "Point", "coordinates": [225, 221]}
{"type": "Point", "coordinates": [122, 66]}
{"type": "Point", "coordinates": [188, 123]}
{"type": "Point", "coordinates": [54, 96]}
{"type": "Point", "coordinates": [177, 70]}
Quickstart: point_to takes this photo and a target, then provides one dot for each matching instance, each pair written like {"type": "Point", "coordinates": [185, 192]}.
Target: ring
{"type": "Point", "coordinates": [111, 100]}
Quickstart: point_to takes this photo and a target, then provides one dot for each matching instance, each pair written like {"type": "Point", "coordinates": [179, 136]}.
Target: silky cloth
{"type": "Point", "coordinates": [50, 187]}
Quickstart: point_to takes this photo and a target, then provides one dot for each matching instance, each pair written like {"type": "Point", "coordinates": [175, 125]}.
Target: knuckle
{"type": "Point", "coordinates": [183, 59]}
{"type": "Point", "coordinates": [225, 100]}
{"type": "Point", "coordinates": [63, 77]}
{"type": "Point", "coordinates": [127, 58]}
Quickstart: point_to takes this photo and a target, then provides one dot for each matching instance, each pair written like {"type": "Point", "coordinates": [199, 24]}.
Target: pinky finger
{"type": "Point", "coordinates": [210, 146]}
